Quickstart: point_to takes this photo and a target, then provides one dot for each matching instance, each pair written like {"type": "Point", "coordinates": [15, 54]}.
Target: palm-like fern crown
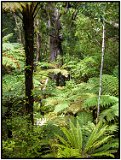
{"type": "Point", "coordinates": [86, 142]}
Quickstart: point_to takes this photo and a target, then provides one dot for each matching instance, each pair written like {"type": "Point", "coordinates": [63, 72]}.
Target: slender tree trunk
{"type": "Point", "coordinates": [19, 29]}
{"type": "Point", "coordinates": [28, 26]}
{"type": "Point", "coordinates": [38, 41]}
{"type": "Point", "coordinates": [8, 116]}
{"type": "Point", "coordinates": [101, 69]}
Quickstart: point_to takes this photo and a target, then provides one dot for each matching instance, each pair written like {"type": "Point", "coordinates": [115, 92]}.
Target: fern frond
{"type": "Point", "coordinates": [62, 140]}
{"type": "Point", "coordinates": [109, 145]}
{"type": "Point", "coordinates": [110, 113]}
{"type": "Point", "coordinates": [14, 6]}
{"type": "Point", "coordinates": [61, 106]}
{"type": "Point", "coordinates": [79, 138]}
{"type": "Point", "coordinates": [104, 153]}
{"type": "Point", "coordinates": [99, 140]}
{"type": "Point", "coordinates": [84, 117]}
{"type": "Point", "coordinates": [68, 153]}
{"type": "Point", "coordinates": [10, 61]}
{"type": "Point", "coordinates": [68, 135]}
{"type": "Point", "coordinates": [13, 55]}
{"type": "Point", "coordinates": [109, 85]}
{"type": "Point", "coordinates": [112, 128]}
{"type": "Point", "coordinates": [105, 100]}
{"type": "Point", "coordinates": [94, 136]}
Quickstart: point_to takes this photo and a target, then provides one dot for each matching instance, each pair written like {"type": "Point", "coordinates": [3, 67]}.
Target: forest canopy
{"type": "Point", "coordinates": [60, 79]}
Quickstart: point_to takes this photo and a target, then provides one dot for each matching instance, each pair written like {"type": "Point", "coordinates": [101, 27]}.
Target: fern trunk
{"type": "Point", "coordinates": [101, 69]}
{"type": "Point", "coordinates": [28, 26]}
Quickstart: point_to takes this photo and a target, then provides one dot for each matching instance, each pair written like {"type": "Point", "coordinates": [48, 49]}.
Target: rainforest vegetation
{"type": "Point", "coordinates": [60, 76]}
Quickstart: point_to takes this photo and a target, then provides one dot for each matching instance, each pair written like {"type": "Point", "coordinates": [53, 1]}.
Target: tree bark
{"type": "Point", "coordinates": [55, 37]}
{"type": "Point", "coordinates": [28, 26]}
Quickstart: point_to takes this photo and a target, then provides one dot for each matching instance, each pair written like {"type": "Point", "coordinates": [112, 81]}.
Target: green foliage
{"type": "Point", "coordinates": [84, 69]}
{"type": "Point", "coordinates": [13, 56]}
{"type": "Point", "coordinates": [105, 100]}
{"type": "Point", "coordinates": [84, 117]}
{"type": "Point", "coordinates": [9, 26]}
{"type": "Point", "coordinates": [111, 113]}
{"type": "Point", "coordinates": [13, 87]}
{"type": "Point", "coordinates": [116, 71]}
{"type": "Point", "coordinates": [62, 71]}
{"type": "Point", "coordinates": [25, 143]}
{"type": "Point", "coordinates": [109, 85]}
{"type": "Point", "coordinates": [61, 107]}
{"type": "Point", "coordinates": [68, 153]}
{"type": "Point", "coordinates": [7, 37]}
{"type": "Point", "coordinates": [64, 116]}
{"type": "Point", "coordinates": [46, 65]}
{"type": "Point", "coordinates": [108, 106]}
{"type": "Point", "coordinates": [97, 143]}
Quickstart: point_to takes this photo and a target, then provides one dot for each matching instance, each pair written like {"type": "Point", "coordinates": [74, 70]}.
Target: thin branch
{"type": "Point", "coordinates": [33, 11]}
{"type": "Point", "coordinates": [36, 11]}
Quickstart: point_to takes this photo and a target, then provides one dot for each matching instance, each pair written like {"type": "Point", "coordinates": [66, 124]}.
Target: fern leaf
{"type": "Point", "coordinates": [62, 140]}
{"type": "Point", "coordinates": [109, 83]}
{"type": "Point", "coordinates": [84, 117]}
{"type": "Point", "coordinates": [104, 101]}
{"type": "Point", "coordinates": [79, 138]}
{"type": "Point", "coordinates": [101, 142]}
{"type": "Point", "coordinates": [95, 135]}
{"type": "Point", "coordinates": [68, 135]}
{"type": "Point", "coordinates": [68, 153]}
{"type": "Point", "coordinates": [107, 153]}
{"type": "Point", "coordinates": [107, 146]}
{"type": "Point", "coordinates": [110, 113]}
{"type": "Point", "coordinates": [60, 107]}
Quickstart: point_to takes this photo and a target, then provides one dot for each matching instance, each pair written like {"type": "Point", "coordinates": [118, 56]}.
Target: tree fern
{"type": "Point", "coordinates": [73, 137]}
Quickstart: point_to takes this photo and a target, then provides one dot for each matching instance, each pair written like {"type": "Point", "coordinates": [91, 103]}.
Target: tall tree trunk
{"type": "Point", "coordinates": [101, 69]}
{"type": "Point", "coordinates": [28, 26]}
{"type": "Point", "coordinates": [55, 38]}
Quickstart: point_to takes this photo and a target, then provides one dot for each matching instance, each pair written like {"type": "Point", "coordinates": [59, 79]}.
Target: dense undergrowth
{"type": "Point", "coordinates": [66, 87]}
{"type": "Point", "coordinates": [64, 116]}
